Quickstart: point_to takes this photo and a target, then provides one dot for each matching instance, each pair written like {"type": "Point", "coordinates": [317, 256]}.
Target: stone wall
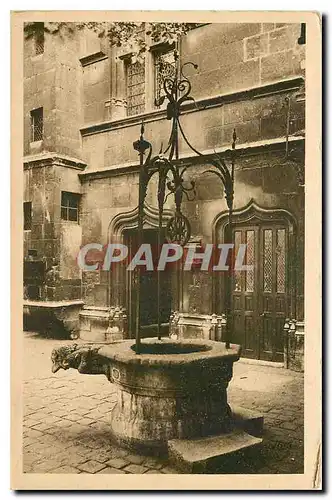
{"type": "Point", "coordinates": [53, 80]}
{"type": "Point", "coordinates": [54, 239]}
{"type": "Point", "coordinates": [246, 73]}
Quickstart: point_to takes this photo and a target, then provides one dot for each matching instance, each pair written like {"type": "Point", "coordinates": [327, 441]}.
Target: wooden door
{"type": "Point", "coordinates": [259, 296]}
{"type": "Point", "coordinates": [273, 296]}
{"type": "Point", "coordinates": [148, 289]}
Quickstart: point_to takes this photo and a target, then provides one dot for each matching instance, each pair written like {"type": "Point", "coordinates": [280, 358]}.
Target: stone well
{"type": "Point", "coordinates": [172, 390]}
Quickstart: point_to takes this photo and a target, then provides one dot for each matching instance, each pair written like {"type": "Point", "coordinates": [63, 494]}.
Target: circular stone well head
{"type": "Point", "coordinates": [170, 347]}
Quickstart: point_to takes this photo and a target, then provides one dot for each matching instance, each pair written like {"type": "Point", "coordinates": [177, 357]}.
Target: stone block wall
{"type": "Point", "coordinates": [234, 56]}
{"type": "Point", "coordinates": [53, 81]}
{"type": "Point", "coordinates": [245, 72]}
{"type": "Point", "coordinates": [56, 241]}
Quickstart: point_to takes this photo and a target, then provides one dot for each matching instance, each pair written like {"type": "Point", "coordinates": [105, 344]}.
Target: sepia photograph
{"type": "Point", "coordinates": [165, 203]}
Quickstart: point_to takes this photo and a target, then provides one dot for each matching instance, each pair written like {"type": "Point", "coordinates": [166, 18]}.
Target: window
{"type": "Point", "coordinates": [69, 206]}
{"type": "Point", "coordinates": [39, 38]}
{"type": "Point", "coordinates": [27, 213]}
{"type": "Point", "coordinates": [135, 88]}
{"type": "Point", "coordinates": [302, 39]}
{"type": "Point", "coordinates": [164, 68]}
{"type": "Point", "coordinates": [37, 124]}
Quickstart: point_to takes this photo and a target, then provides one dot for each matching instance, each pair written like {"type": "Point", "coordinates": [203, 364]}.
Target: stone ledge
{"type": "Point", "coordinates": [50, 158]}
{"type": "Point", "coordinates": [102, 324]}
{"type": "Point", "coordinates": [58, 318]}
{"type": "Point", "coordinates": [248, 148]}
{"type": "Point", "coordinates": [52, 304]}
{"type": "Point", "coordinates": [216, 351]}
{"type": "Point", "coordinates": [263, 90]}
{"type": "Point", "coordinates": [249, 421]}
{"type": "Point", "coordinates": [196, 456]}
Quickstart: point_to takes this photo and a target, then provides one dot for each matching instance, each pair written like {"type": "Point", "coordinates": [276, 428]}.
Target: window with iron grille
{"type": "Point", "coordinates": [37, 124]}
{"type": "Point", "coordinates": [135, 88]}
{"type": "Point", "coordinates": [27, 213]}
{"type": "Point", "coordinates": [39, 38]}
{"type": "Point", "coordinates": [164, 68]}
{"type": "Point", "coordinates": [70, 206]}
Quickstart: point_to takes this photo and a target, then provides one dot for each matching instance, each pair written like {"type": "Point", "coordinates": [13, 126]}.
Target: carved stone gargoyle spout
{"type": "Point", "coordinates": [84, 358]}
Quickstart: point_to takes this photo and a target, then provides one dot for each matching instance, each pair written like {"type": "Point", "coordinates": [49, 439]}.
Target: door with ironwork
{"type": "Point", "coordinates": [259, 294]}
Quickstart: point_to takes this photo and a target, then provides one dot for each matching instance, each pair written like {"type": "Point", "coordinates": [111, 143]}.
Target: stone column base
{"type": "Point", "coordinates": [294, 345]}
{"type": "Point", "coordinates": [102, 324]}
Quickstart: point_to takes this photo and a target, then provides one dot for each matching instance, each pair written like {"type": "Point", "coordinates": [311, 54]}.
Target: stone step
{"type": "Point", "coordinates": [198, 456]}
{"type": "Point", "coordinates": [249, 421]}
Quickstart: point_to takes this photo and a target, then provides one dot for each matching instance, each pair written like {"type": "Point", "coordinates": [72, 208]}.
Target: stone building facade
{"type": "Point", "coordinates": [84, 102]}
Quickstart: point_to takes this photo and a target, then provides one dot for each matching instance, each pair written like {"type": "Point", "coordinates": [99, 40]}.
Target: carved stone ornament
{"type": "Point", "coordinates": [83, 358]}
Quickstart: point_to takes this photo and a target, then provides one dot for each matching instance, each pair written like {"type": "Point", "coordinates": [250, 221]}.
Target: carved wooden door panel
{"type": "Point", "coordinates": [259, 296]}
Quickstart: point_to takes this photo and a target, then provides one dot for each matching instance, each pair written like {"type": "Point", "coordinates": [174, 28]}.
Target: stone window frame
{"type": "Point", "coordinates": [27, 215]}
{"type": "Point", "coordinates": [152, 52]}
{"type": "Point", "coordinates": [157, 50]}
{"type": "Point", "coordinates": [70, 203]}
{"type": "Point", "coordinates": [127, 63]}
{"type": "Point", "coordinates": [39, 39]}
{"type": "Point", "coordinates": [119, 75]}
{"type": "Point", "coordinates": [37, 124]}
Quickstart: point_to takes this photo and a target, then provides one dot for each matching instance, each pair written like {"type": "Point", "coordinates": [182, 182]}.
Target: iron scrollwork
{"type": "Point", "coordinates": [178, 230]}
{"type": "Point", "coordinates": [170, 170]}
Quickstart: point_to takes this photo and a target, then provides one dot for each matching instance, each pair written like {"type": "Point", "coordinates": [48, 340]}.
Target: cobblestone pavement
{"type": "Point", "coordinates": [66, 419]}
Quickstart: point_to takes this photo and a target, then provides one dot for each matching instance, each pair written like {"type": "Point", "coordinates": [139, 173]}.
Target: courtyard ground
{"type": "Point", "coordinates": [66, 418]}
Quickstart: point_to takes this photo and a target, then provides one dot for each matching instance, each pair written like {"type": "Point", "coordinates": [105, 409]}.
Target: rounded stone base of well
{"type": "Point", "coordinates": [174, 390]}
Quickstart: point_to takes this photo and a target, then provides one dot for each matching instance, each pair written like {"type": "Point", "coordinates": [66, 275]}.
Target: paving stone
{"type": "Point", "coordinates": [50, 419]}
{"type": "Point", "coordinates": [292, 426]}
{"type": "Point", "coordinates": [135, 469]}
{"type": "Point", "coordinates": [153, 463]}
{"type": "Point", "coordinates": [62, 405]}
{"type": "Point", "coordinates": [118, 452]}
{"type": "Point", "coordinates": [66, 469]}
{"type": "Point", "coordinates": [169, 470]}
{"type": "Point", "coordinates": [73, 416]}
{"type": "Point", "coordinates": [110, 470]}
{"type": "Point", "coordinates": [45, 466]}
{"type": "Point", "coordinates": [153, 471]}
{"type": "Point", "coordinates": [85, 421]}
{"type": "Point", "coordinates": [117, 463]}
{"type": "Point", "coordinates": [76, 428]}
{"type": "Point", "coordinates": [136, 459]}
{"type": "Point", "coordinates": [30, 422]}
{"type": "Point", "coordinates": [91, 466]}
{"type": "Point", "coordinates": [42, 427]}
{"type": "Point", "coordinates": [99, 456]}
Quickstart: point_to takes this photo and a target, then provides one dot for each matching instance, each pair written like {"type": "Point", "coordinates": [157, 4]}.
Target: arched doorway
{"type": "Point", "coordinates": [122, 289]}
{"type": "Point", "coordinates": [263, 297]}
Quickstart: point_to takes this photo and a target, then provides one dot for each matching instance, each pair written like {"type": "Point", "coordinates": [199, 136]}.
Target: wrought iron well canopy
{"type": "Point", "coordinates": [171, 181]}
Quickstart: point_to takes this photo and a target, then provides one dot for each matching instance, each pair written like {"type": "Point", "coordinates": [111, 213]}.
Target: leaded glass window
{"type": "Point", "coordinates": [250, 256]}
{"type": "Point", "coordinates": [237, 274]}
{"type": "Point", "coordinates": [135, 88]}
{"type": "Point", "coordinates": [268, 277]}
{"type": "Point", "coordinates": [39, 38]}
{"type": "Point", "coordinates": [164, 68]}
{"type": "Point", "coordinates": [37, 124]}
{"type": "Point", "coordinates": [281, 260]}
